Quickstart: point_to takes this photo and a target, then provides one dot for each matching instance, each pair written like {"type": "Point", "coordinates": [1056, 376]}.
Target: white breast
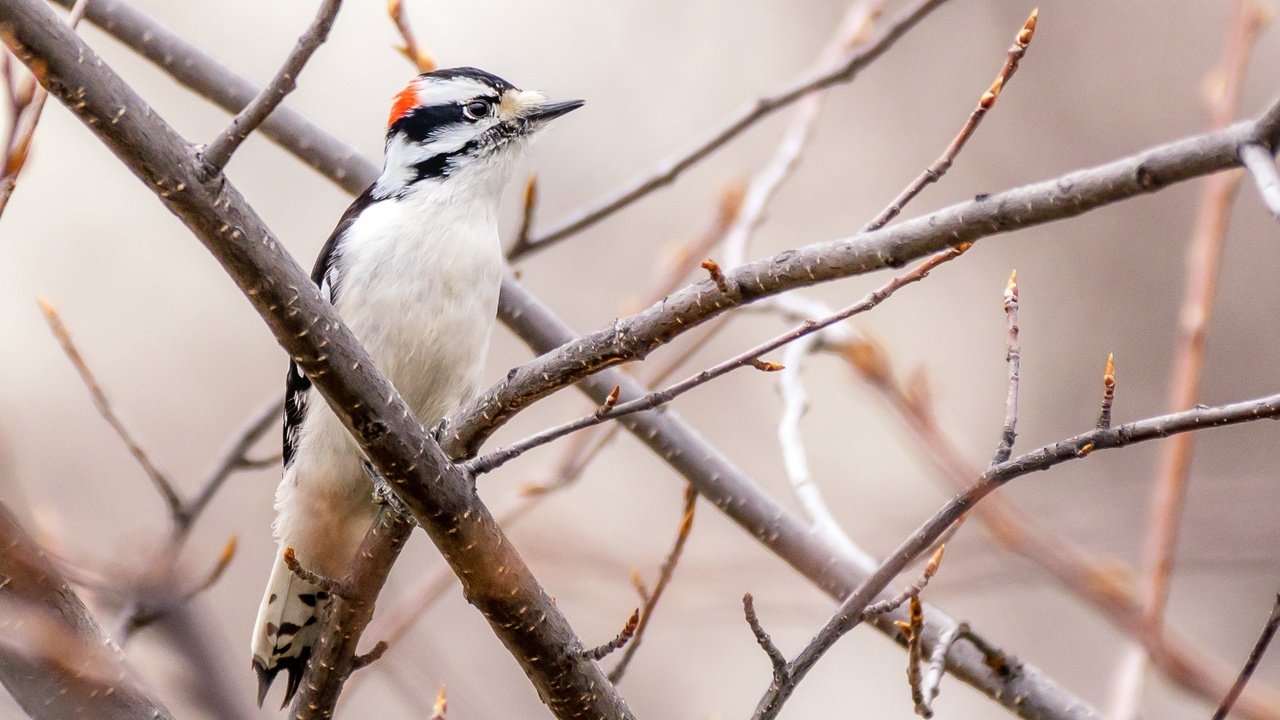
{"type": "Point", "coordinates": [419, 288]}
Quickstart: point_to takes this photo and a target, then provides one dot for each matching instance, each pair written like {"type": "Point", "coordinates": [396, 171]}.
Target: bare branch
{"type": "Point", "coordinates": [1009, 432]}
{"type": "Point", "coordinates": [100, 401]}
{"type": "Point", "coordinates": [750, 357]}
{"type": "Point", "coordinates": [622, 638]}
{"type": "Point", "coordinates": [217, 153]}
{"type": "Point", "coordinates": [233, 459]}
{"type": "Point", "coordinates": [913, 629]}
{"type": "Point", "coordinates": [1255, 656]}
{"type": "Point", "coordinates": [934, 172]}
{"type": "Point", "coordinates": [776, 658]}
{"type": "Point", "coordinates": [664, 578]}
{"type": "Point", "coordinates": [530, 206]}
{"type": "Point", "coordinates": [852, 610]}
{"type": "Point", "coordinates": [410, 48]}
{"type": "Point", "coordinates": [54, 658]}
{"type": "Point", "coordinates": [1262, 165]}
{"type": "Point", "coordinates": [668, 171]}
{"type": "Point", "coordinates": [1205, 252]}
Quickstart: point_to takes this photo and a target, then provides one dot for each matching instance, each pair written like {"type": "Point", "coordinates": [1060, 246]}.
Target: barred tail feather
{"type": "Point", "coordinates": [286, 629]}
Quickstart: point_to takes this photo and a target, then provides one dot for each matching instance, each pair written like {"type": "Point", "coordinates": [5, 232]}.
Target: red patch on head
{"type": "Point", "coordinates": [406, 100]}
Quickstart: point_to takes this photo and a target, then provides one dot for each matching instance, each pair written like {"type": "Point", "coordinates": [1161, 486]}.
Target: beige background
{"type": "Point", "coordinates": [185, 359]}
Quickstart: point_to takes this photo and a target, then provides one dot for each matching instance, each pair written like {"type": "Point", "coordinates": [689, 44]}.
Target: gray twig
{"type": "Point", "coordinates": [219, 151]}
{"type": "Point", "coordinates": [598, 653]}
{"type": "Point", "coordinates": [1255, 657]}
{"type": "Point", "coordinates": [1013, 356]}
{"type": "Point", "coordinates": [776, 658]}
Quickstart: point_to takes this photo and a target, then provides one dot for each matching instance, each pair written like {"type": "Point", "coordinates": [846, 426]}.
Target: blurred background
{"type": "Point", "coordinates": [186, 360]}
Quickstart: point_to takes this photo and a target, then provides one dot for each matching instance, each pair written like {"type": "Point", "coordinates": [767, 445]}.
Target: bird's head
{"type": "Point", "coordinates": [461, 125]}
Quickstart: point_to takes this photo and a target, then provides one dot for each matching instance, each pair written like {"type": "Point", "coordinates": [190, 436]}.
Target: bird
{"type": "Point", "coordinates": [413, 268]}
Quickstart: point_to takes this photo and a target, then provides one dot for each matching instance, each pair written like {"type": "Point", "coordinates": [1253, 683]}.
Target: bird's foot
{"type": "Point", "coordinates": [384, 495]}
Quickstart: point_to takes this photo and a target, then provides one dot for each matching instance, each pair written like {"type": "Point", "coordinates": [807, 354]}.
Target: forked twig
{"type": "Point", "coordinates": [219, 151]}
{"type": "Point", "coordinates": [934, 172]}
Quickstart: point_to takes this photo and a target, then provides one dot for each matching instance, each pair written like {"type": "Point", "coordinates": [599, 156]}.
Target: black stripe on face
{"type": "Point", "coordinates": [419, 124]}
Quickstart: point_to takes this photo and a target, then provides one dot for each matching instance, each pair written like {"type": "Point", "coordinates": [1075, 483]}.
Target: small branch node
{"type": "Point", "coordinates": [912, 591]}
{"type": "Point", "coordinates": [369, 658]}
{"type": "Point", "coordinates": [717, 275]}
{"type": "Point", "coordinates": [766, 366]}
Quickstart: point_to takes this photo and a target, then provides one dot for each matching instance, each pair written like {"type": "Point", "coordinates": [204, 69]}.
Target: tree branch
{"type": "Point", "coordinates": [439, 494]}
{"type": "Point", "coordinates": [1255, 657]}
{"type": "Point", "coordinates": [217, 153]}
{"type": "Point", "coordinates": [669, 170]}
{"type": "Point", "coordinates": [54, 657]}
{"type": "Point", "coordinates": [853, 610]}
{"type": "Point", "coordinates": [1262, 165]}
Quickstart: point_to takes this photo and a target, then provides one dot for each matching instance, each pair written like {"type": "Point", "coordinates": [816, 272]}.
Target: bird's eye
{"type": "Point", "coordinates": [476, 109]}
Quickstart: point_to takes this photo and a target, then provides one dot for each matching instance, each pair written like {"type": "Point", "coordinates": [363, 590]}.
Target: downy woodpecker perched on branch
{"type": "Point", "coordinates": [413, 268]}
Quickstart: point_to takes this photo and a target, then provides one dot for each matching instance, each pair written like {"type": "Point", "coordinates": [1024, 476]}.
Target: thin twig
{"type": "Point", "coordinates": [852, 611]}
{"type": "Point", "coordinates": [530, 207]}
{"type": "Point", "coordinates": [219, 151]}
{"type": "Point", "coordinates": [1262, 165]}
{"type": "Point", "coordinates": [913, 590]}
{"type": "Point", "coordinates": [410, 48]}
{"type": "Point", "coordinates": [664, 578]}
{"type": "Point", "coordinates": [375, 654]}
{"type": "Point", "coordinates": [1255, 656]}
{"type": "Point", "coordinates": [100, 401]}
{"type": "Point", "coordinates": [26, 104]}
{"type": "Point", "coordinates": [1009, 432]}
{"type": "Point", "coordinates": [913, 630]}
{"type": "Point", "coordinates": [441, 706]}
{"type": "Point", "coordinates": [329, 585]}
{"type": "Point", "coordinates": [669, 170]}
{"type": "Point", "coordinates": [1108, 392]}
{"type": "Point", "coordinates": [934, 172]}
{"type": "Point", "coordinates": [776, 658]}
{"type": "Point", "coordinates": [232, 460]}
{"type": "Point", "coordinates": [628, 631]}
{"type": "Point", "coordinates": [1205, 252]}
{"type": "Point", "coordinates": [501, 456]}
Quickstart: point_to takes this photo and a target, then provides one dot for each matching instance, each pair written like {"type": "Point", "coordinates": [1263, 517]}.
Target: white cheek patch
{"type": "Point", "coordinates": [516, 103]}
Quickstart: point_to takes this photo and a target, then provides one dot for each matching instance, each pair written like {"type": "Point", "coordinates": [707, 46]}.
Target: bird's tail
{"type": "Point", "coordinates": [286, 629]}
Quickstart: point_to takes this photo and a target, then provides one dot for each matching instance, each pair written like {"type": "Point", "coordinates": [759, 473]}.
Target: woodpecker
{"type": "Point", "coordinates": [413, 268]}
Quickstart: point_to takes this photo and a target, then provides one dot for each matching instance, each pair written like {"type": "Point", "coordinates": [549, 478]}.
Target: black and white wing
{"type": "Point", "coordinates": [325, 275]}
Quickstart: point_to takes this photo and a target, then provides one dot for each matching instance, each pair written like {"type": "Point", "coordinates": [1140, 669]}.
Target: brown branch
{"type": "Point", "coordinates": [529, 208]}
{"type": "Point", "coordinates": [668, 171]}
{"type": "Point", "coordinates": [750, 357]}
{"type": "Point", "coordinates": [161, 481]}
{"type": "Point", "coordinates": [410, 48]}
{"type": "Point", "coordinates": [313, 334]}
{"type": "Point", "coordinates": [664, 578]}
{"type": "Point", "coordinates": [1205, 251]}
{"type": "Point", "coordinates": [934, 172]}
{"type": "Point", "coordinates": [54, 657]}
{"type": "Point", "coordinates": [232, 460]}
{"type": "Point", "coordinates": [1013, 356]}
{"type": "Point", "coordinates": [1255, 656]}
{"type": "Point", "coordinates": [618, 642]}
{"type": "Point", "coordinates": [852, 610]}
{"type": "Point", "coordinates": [1096, 580]}
{"type": "Point", "coordinates": [26, 104]}
{"type": "Point", "coordinates": [776, 658]}
{"type": "Point", "coordinates": [219, 151]}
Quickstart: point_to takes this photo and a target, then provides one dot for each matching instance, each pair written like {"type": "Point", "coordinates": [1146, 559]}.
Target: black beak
{"type": "Point", "coordinates": [554, 110]}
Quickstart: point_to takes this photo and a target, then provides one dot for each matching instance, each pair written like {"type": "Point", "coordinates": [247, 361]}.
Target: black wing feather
{"type": "Point", "coordinates": [296, 384]}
